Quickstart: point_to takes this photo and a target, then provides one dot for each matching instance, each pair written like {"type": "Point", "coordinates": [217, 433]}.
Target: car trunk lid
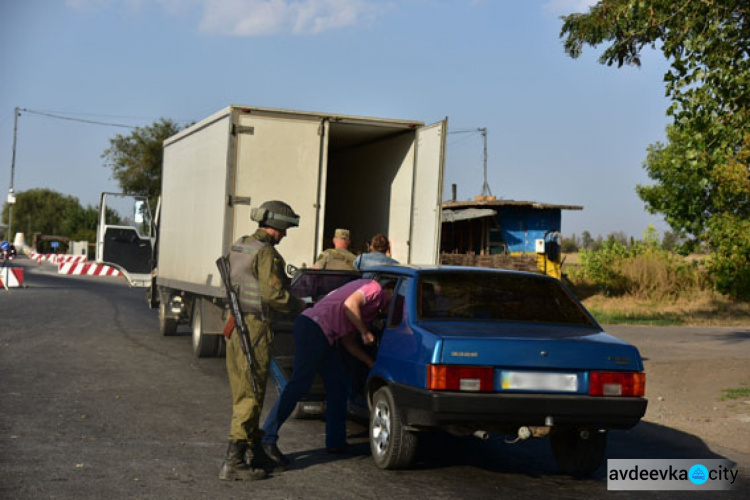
{"type": "Point", "coordinates": [538, 347]}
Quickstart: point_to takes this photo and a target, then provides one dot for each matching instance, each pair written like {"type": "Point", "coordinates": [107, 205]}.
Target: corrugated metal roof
{"type": "Point", "coordinates": [467, 213]}
{"type": "Point", "coordinates": [453, 205]}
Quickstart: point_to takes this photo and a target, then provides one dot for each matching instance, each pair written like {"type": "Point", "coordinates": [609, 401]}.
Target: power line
{"type": "Point", "coordinates": [465, 131]}
{"type": "Point", "coordinates": [70, 118]}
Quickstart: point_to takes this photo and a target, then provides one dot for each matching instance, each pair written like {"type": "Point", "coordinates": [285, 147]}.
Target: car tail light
{"type": "Point", "coordinates": [460, 378]}
{"type": "Point", "coordinates": [617, 383]}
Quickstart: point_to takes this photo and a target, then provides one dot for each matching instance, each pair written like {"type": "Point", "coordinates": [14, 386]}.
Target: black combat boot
{"type": "Point", "coordinates": [234, 467]}
{"type": "Point", "coordinates": [258, 456]}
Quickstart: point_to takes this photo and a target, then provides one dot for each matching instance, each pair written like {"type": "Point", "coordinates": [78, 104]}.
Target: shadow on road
{"type": "Point", "coordinates": [531, 458]}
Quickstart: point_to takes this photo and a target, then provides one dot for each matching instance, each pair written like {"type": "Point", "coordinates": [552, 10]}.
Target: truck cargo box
{"type": "Point", "coordinates": [369, 175]}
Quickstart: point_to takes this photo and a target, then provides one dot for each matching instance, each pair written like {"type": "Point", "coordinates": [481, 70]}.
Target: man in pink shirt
{"type": "Point", "coordinates": [336, 318]}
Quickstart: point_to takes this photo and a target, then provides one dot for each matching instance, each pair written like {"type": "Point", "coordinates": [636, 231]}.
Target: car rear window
{"type": "Point", "coordinates": [496, 296]}
{"type": "Point", "coordinates": [316, 284]}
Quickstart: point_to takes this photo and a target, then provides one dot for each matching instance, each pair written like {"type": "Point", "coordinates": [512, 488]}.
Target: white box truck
{"type": "Point", "coordinates": [369, 175]}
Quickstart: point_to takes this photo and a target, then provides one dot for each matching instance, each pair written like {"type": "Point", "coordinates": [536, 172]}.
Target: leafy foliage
{"type": "Point", "coordinates": [136, 159]}
{"type": "Point", "coordinates": [40, 209]}
{"type": "Point", "coordinates": [702, 176]}
{"type": "Point", "coordinates": [51, 213]}
{"type": "Point", "coordinates": [80, 224]}
{"type": "Point", "coordinates": [640, 269]}
{"type": "Point", "coordinates": [730, 262]}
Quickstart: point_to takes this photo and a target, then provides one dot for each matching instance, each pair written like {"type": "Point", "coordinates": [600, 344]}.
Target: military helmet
{"type": "Point", "coordinates": [275, 214]}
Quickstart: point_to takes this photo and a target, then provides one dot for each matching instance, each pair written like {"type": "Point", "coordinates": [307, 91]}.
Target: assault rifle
{"type": "Point", "coordinates": [234, 306]}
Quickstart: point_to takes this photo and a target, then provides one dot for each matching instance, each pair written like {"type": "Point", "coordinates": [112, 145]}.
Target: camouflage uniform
{"type": "Point", "coordinates": [268, 268]}
{"type": "Point", "coordinates": [335, 258]}
{"type": "Point", "coordinates": [258, 271]}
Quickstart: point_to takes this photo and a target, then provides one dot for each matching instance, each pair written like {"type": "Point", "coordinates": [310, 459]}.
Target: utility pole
{"type": "Point", "coordinates": [485, 187]}
{"type": "Point", "coordinates": [11, 193]}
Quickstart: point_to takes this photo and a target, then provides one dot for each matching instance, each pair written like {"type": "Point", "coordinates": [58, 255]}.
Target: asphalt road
{"type": "Point", "coordinates": [94, 404]}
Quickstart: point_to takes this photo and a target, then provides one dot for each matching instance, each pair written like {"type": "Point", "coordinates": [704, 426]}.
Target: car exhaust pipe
{"type": "Point", "coordinates": [483, 435]}
{"type": "Point", "coordinates": [530, 431]}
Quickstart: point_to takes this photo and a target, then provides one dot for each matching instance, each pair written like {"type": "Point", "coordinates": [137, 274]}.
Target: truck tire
{"type": "Point", "coordinates": [578, 453]}
{"type": "Point", "coordinates": [392, 446]}
{"type": "Point", "coordinates": [204, 346]}
{"type": "Point", "coordinates": [167, 325]}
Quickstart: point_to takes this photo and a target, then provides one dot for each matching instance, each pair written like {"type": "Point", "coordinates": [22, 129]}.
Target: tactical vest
{"type": "Point", "coordinates": [241, 260]}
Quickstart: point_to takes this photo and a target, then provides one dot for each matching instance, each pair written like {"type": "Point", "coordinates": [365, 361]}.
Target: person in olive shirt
{"type": "Point", "coordinates": [339, 257]}
{"type": "Point", "coordinates": [257, 270]}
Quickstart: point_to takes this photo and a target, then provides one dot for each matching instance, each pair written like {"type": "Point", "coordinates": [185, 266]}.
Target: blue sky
{"type": "Point", "coordinates": [559, 130]}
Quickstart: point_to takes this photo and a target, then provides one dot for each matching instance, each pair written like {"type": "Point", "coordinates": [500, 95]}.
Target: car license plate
{"type": "Point", "coordinates": [540, 381]}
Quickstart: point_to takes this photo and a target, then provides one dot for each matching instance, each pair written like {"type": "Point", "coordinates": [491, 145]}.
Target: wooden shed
{"type": "Point", "coordinates": [503, 233]}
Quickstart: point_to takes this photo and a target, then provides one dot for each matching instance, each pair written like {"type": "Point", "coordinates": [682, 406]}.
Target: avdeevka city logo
{"type": "Point", "coordinates": [671, 474]}
{"type": "Point", "coordinates": [698, 474]}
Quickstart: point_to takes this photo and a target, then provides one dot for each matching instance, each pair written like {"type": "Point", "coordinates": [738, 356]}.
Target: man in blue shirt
{"type": "Point", "coordinates": [377, 256]}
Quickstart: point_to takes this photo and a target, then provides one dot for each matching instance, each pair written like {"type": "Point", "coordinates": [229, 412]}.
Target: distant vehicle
{"type": "Point", "coordinates": [7, 251]}
{"type": "Point", "coordinates": [473, 351]}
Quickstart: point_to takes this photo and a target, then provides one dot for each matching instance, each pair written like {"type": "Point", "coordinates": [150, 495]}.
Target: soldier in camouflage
{"type": "Point", "coordinates": [339, 257]}
{"type": "Point", "coordinates": [257, 270]}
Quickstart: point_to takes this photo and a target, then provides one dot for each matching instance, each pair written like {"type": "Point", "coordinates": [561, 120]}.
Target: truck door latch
{"type": "Point", "coordinates": [238, 200]}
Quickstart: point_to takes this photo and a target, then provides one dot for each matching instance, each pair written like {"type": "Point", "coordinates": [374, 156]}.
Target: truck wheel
{"type": "Point", "coordinates": [167, 325]}
{"type": "Point", "coordinates": [578, 452]}
{"type": "Point", "coordinates": [204, 346]}
{"type": "Point", "coordinates": [392, 446]}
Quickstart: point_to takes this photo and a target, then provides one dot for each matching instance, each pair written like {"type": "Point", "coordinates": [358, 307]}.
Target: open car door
{"type": "Point", "coordinates": [125, 236]}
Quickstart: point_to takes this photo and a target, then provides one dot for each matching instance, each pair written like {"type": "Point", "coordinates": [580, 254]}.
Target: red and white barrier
{"type": "Point", "coordinates": [70, 258]}
{"type": "Point", "coordinates": [56, 258]}
{"type": "Point", "coordinates": [11, 277]}
{"type": "Point", "coordinates": [87, 269]}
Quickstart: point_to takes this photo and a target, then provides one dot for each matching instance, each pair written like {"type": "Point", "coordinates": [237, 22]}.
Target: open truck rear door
{"type": "Point", "coordinates": [427, 194]}
{"type": "Point", "coordinates": [272, 167]}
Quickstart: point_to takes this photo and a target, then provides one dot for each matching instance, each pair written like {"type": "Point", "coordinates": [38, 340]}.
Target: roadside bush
{"type": "Point", "coordinates": [640, 270]}
{"type": "Point", "coordinates": [729, 263]}
{"type": "Point", "coordinates": [601, 267]}
{"type": "Point", "coordinates": [659, 275]}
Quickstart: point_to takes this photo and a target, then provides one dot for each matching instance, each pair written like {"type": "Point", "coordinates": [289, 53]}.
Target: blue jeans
{"type": "Point", "coordinates": [312, 354]}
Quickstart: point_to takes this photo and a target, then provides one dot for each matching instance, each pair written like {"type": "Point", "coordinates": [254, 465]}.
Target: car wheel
{"type": "Point", "coordinates": [204, 346]}
{"type": "Point", "coordinates": [578, 452]}
{"type": "Point", "coordinates": [167, 326]}
{"type": "Point", "coordinates": [392, 446]}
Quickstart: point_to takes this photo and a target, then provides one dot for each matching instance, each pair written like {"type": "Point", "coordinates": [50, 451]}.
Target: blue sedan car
{"type": "Point", "coordinates": [474, 351]}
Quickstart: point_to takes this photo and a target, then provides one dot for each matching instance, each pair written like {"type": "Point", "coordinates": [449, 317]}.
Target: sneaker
{"type": "Point", "coordinates": [274, 453]}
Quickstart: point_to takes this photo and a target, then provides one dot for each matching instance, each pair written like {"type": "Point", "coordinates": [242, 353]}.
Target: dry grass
{"type": "Point", "coordinates": [701, 308]}
{"type": "Point", "coordinates": [656, 289]}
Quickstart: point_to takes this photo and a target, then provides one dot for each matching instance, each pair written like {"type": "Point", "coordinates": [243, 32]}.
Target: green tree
{"type": "Point", "coordinates": [670, 241]}
{"type": "Point", "coordinates": [41, 211]}
{"type": "Point", "coordinates": [651, 237]}
{"type": "Point", "coordinates": [80, 224]}
{"type": "Point", "coordinates": [586, 240]}
{"type": "Point", "coordinates": [569, 245]}
{"type": "Point", "coordinates": [618, 236]}
{"type": "Point", "coordinates": [701, 175]}
{"type": "Point", "coordinates": [136, 159]}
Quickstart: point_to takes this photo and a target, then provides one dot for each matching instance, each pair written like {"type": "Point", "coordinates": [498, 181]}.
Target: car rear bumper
{"type": "Point", "coordinates": [424, 408]}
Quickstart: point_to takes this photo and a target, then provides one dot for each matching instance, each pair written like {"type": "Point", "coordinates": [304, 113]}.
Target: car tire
{"type": "Point", "coordinates": [392, 446]}
{"type": "Point", "coordinates": [204, 346]}
{"type": "Point", "coordinates": [167, 325]}
{"type": "Point", "coordinates": [578, 453]}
